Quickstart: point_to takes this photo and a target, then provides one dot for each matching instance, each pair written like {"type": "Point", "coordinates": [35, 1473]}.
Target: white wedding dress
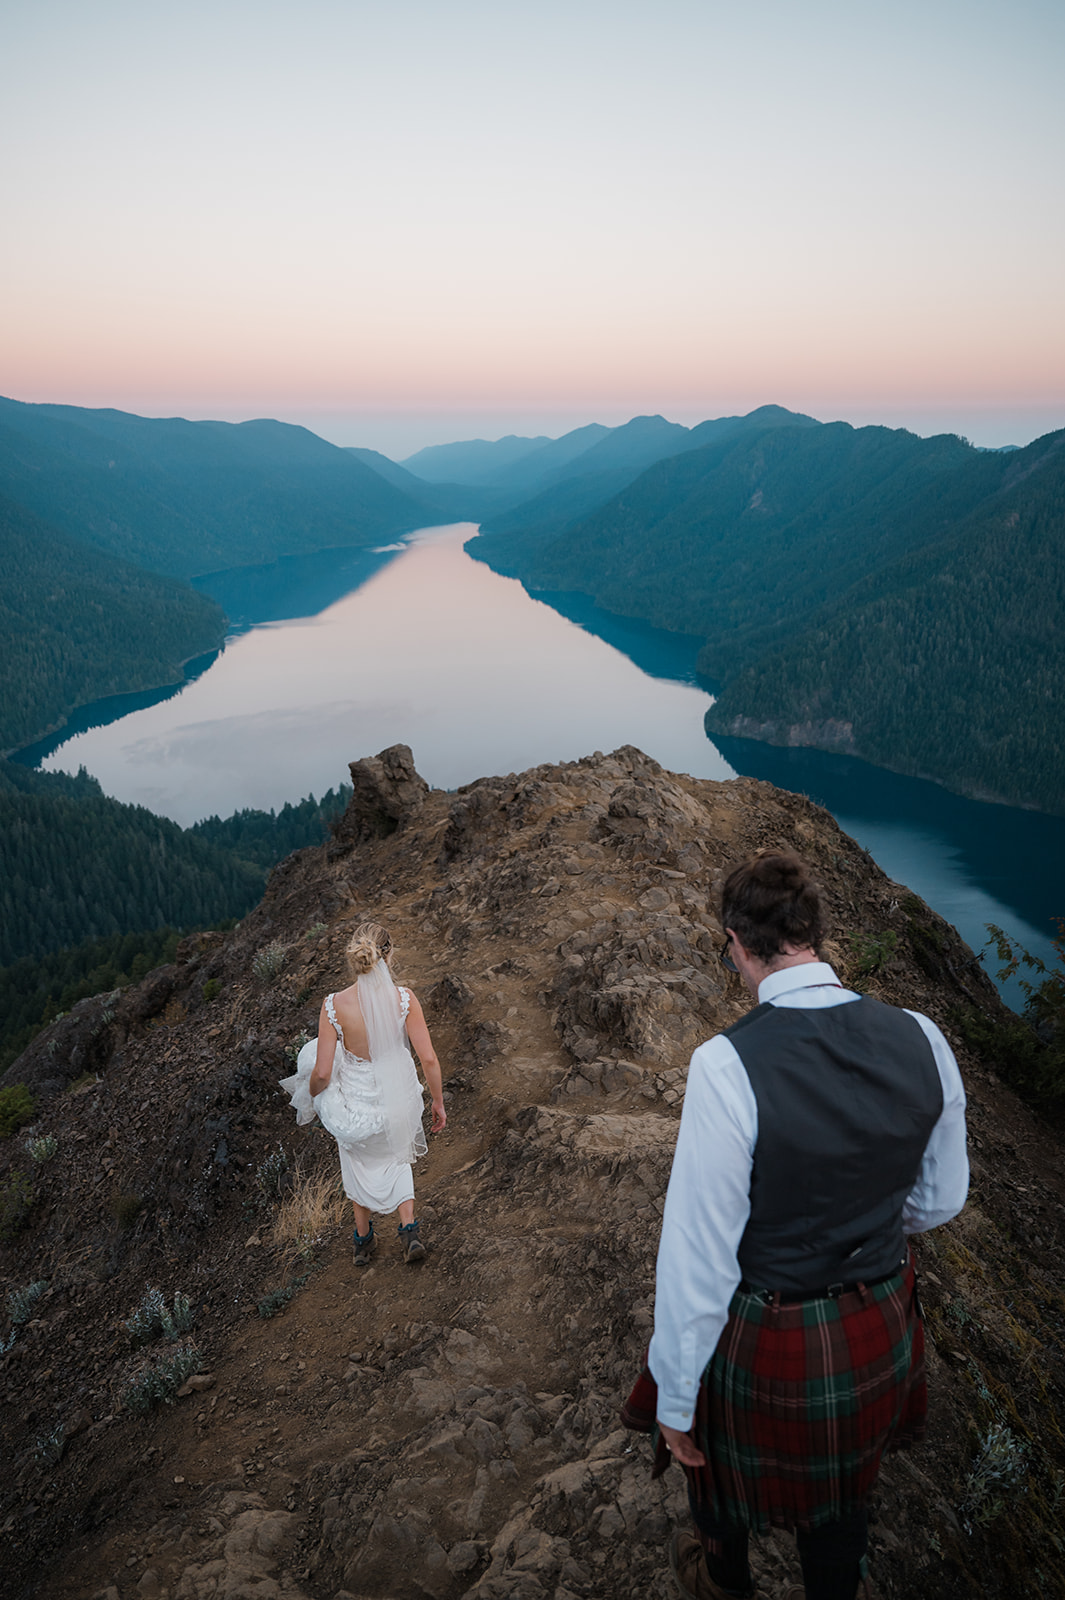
{"type": "Point", "coordinates": [373, 1108]}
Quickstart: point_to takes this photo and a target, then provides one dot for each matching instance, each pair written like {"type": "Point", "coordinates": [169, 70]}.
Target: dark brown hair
{"type": "Point", "coordinates": [771, 901]}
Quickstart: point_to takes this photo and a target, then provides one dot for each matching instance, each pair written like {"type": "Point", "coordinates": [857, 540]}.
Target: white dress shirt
{"type": "Point", "coordinates": [708, 1200]}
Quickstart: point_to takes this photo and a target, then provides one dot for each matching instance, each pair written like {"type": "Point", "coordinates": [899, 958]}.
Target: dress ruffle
{"type": "Point", "coordinates": [347, 1107]}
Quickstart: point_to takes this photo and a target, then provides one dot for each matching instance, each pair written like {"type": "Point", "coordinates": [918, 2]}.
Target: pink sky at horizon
{"type": "Point", "coordinates": [399, 225]}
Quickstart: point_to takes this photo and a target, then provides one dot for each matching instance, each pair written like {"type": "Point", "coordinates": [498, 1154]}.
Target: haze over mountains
{"type": "Point", "coordinates": [862, 590]}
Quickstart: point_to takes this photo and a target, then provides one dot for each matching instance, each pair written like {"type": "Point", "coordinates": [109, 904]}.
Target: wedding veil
{"type": "Point", "coordinates": [393, 1066]}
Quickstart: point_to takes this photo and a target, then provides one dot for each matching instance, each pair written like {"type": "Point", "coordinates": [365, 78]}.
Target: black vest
{"type": "Point", "coordinates": [847, 1098]}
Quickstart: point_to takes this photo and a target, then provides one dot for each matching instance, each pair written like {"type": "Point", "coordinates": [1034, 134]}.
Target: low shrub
{"type": "Point", "coordinates": [49, 1447]}
{"type": "Point", "coordinates": [42, 1149]}
{"type": "Point", "coordinates": [267, 962]}
{"type": "Point", "coordinates": [292, 1050]}
{"type": "Point", "coordinates": [159, 1383]}
{"type": "Point", "coordinates": [271, 1175]}
{"type": "Point", "coordinates": [872, 950]}
{"type": "Point", "coordinates": [996, 1478]}
{"type": "Point", "coordinates": [1029, 1051]}
{"type": "Point", "coordinates": [278, 1299]}
{"type": "Point", "coordinates": [153, 1317]}
{"type": "Point", "coordinates": [20, 1302]}
{"type": "Point", "coordinates": [212, 989]}
{"type": "Point", "coordinates": [16, 1108]}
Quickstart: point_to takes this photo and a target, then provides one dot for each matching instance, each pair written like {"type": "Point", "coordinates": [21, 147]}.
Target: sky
{"type": "Point", "coordinates": [407, 222]}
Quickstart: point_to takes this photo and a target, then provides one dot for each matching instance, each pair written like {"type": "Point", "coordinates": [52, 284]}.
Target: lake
{"type": "Point", "coordinates": [338, 655]}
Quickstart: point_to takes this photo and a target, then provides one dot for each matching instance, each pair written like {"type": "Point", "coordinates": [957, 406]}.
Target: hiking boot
{"type": "Point", "coordinates": [690, 1575]}
{"type": "Point", "coordinates": [365, 1245]}
{"type": "Point", "coordinates": [413, 1249]}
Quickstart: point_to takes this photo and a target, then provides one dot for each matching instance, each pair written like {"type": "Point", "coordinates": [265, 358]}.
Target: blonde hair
{"type": "Point", "coordinates": [369, 944]}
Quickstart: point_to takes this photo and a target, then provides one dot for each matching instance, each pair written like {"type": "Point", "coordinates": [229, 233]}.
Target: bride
{"type": "Point", "coordinates": [359, 1079]}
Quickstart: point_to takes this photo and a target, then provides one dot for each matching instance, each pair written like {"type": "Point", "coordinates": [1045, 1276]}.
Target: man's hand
{"type": "Point", "coordinates": [682, 1447]}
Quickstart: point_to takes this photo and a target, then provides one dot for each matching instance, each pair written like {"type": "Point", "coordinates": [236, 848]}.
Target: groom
{"type": "Point", "coordinates": [788, 1349]}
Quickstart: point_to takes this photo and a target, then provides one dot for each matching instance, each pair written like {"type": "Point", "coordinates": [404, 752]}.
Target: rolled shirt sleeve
{"type": "Point", "coordinates": [706, 1210]}
{"type": "Point", "coordinates": [943, 1181]}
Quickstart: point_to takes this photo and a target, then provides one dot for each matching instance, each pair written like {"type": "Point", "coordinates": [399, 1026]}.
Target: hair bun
{"type": "Point", "coordinates": [369, 944]}
{"type": "Point", "coordinates": [363, 954]}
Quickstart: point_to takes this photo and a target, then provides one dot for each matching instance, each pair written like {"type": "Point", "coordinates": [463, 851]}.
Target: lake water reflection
{"type": "Point", "coordinates": [434, 650]}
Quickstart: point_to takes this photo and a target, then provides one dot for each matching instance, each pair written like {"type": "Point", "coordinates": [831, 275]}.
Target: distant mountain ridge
{"type": "Point", "coordinates": [471, 460]}
{"type": "Point", "coordinates": [186, 498]}
{"type": "Point", "coordinates": [863, 590]}
{"type": "Point", "coordinates": [593, 478]}
{"type": "Point", "coordinates": [451, 502]}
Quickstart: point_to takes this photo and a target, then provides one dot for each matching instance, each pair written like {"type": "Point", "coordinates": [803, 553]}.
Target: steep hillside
{"type": "Point", "coordinates": [185, 498]}
{"type": "Point", "coordinates": [949, 661]}
{"type": "Point", "coordinates": [452, 1430]}
{"type": "Point", "coordinates": [78, 625]}
{"type": "Point", "coordinates": [76, 864]}
{"type": "Point", "coordinates": [747, 535]}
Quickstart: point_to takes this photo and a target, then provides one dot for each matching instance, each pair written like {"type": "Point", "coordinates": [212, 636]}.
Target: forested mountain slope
{"type": "Point", "coordinates": [750, 531]}
{"type": "Point", "coordinates": [187, 498]}
{"type": "Point", "coordinates": [76, 865]}
{"type": "Point", "coordinates": [773, 545]}
{"type": "Point", "coordinates": [511, 539]}
{"type": "Point", "coordinates": [79, 865]}
{"type": "Point", "coordinates": [949, 662]}
{"type": "Point", "coordinates": [78, 624]}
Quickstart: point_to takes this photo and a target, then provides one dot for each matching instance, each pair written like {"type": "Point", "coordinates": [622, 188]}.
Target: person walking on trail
{"type": "Point", "coordinates": [788, 1349]}
{"type": "Point", "coordinates": [359, 1078]}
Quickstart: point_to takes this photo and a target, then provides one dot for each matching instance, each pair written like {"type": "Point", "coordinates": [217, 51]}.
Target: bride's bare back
{"type": "Point", "coordinates": [349, 1015]}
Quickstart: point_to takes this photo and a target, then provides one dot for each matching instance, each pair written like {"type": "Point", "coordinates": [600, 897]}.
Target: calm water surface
{"type": "Point", "coordinates": [422, 645]}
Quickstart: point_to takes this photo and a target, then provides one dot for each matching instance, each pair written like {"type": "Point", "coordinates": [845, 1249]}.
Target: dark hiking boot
{"type": "Point", "coordinates": [365, 1245]}
{"type": "Point", "coordinates": [689, 1571]}
{"type": "Point", "coordinates": [413, 1249]}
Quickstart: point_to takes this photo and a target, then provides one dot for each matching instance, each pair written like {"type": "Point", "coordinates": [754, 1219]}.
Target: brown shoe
{"type": "Point", "coordinates": [413, 1249]}
{"type": "Point", "coordinates": [364, 1247]}
{"type": "Point", "coordinates": [688, 1567]}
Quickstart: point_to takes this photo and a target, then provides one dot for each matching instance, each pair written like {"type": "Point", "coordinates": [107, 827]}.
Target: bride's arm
{"type": "Point", "coordinates": [418, 1034]}
{"type": "Point", "coordinates": [323, 1061]}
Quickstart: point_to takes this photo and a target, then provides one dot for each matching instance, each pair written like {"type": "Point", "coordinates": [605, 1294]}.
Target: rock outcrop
{"type": "Point", "coordinates": [451, 1430]}
{"type": "Point", "coordinates": [387, 791]}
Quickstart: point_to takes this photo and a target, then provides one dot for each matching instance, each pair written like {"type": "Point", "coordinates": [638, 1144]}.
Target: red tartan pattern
{"type": "Point", "coordinates": [799, 1403]}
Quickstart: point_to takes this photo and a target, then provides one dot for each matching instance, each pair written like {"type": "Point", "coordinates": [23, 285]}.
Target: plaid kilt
{"type": "Point", "coordinates": [798, 1404]}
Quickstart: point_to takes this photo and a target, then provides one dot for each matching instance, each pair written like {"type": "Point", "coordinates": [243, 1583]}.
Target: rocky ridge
{"type": "Point", "coordinates": [452, 1430]}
